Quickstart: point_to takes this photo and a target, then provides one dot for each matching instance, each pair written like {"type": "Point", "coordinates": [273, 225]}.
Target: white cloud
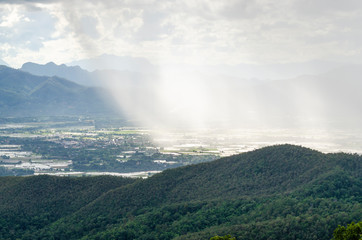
{"type": "Point", "coordinates": [197, 31]}
{"type": "Point", "coordinates": [10, 19]}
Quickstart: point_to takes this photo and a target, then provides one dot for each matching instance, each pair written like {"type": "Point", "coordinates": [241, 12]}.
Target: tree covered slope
{"type": "Point", "coordinates": [33, 202]}
{"type": "Point", "coordinates": [278, 192]}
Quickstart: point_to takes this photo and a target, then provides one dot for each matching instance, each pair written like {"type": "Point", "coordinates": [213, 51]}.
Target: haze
{"type": "Point", "coordinates": [202, 64]}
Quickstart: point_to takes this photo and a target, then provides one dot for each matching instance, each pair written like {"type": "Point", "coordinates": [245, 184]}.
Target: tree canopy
{"type": "Point", "coordinates": [352, 232]}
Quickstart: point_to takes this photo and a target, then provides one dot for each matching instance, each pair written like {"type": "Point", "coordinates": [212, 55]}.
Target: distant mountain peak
{"type": "Point", "coordinates": [72, 73]}
{"type": "Point", "coordinates": [51, 64]}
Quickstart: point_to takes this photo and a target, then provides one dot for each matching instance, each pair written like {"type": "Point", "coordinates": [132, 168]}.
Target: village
{"type": "Point", "coordinates": [68, 146]}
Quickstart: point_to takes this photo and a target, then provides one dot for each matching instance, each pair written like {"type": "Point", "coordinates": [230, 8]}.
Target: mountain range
{"type": "Point", "coordinates": [24, 94]}
{"type": "Point", "coordinates": [74, 73]}
{"type": "Point", "coordinates": [277, 192]}
{"type": "Point", "coordinates": [328, 99]}
{"type": "Point", "coordinates": [96, 78]}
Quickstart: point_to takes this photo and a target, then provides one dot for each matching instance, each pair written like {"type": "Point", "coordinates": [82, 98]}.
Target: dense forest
{"type": "Point", "coordinates": [277, 192]}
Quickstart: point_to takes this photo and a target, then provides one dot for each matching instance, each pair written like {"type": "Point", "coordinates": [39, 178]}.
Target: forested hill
{"type": "Point", "coordinates": [278, 192]}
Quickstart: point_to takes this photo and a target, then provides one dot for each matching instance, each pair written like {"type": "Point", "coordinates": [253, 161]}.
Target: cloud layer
{"type": "Point", "coordinates": [196, 32]}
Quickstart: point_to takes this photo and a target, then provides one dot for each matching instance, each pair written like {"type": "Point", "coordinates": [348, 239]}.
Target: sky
{"type": "Point", "coordinates": [211, 32]}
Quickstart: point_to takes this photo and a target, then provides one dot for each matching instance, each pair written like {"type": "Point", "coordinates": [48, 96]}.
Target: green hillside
{"type": "Point", "coordinates": [30, 203]}
{"type": "Point", "coordinates": [27, 95]}
{"type": "Point", "coordinates": [278, 192]}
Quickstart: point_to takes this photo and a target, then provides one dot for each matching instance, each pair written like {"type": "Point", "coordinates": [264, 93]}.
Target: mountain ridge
{"type": "Point", "coordinates": [330, 99]}
{"type": "Point", "coordinates": [72, 73]}
{"type": "Point", "coordinates": [30, 95]}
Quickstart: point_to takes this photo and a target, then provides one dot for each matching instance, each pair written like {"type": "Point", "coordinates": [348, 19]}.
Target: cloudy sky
{"type": "Point", "coordinates": [187, 31]}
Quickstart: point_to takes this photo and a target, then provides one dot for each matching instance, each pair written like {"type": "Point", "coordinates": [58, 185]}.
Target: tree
{"type": "Point", "coordinates": [352, 232]}
{"type": "Point", "coordinates": [226, 237]}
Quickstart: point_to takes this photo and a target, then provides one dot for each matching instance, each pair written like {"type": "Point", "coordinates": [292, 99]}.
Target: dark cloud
{"type": "Point", "coordinates": [29, 5]}
{"type": "Point", "coordinates": [27, 1]}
